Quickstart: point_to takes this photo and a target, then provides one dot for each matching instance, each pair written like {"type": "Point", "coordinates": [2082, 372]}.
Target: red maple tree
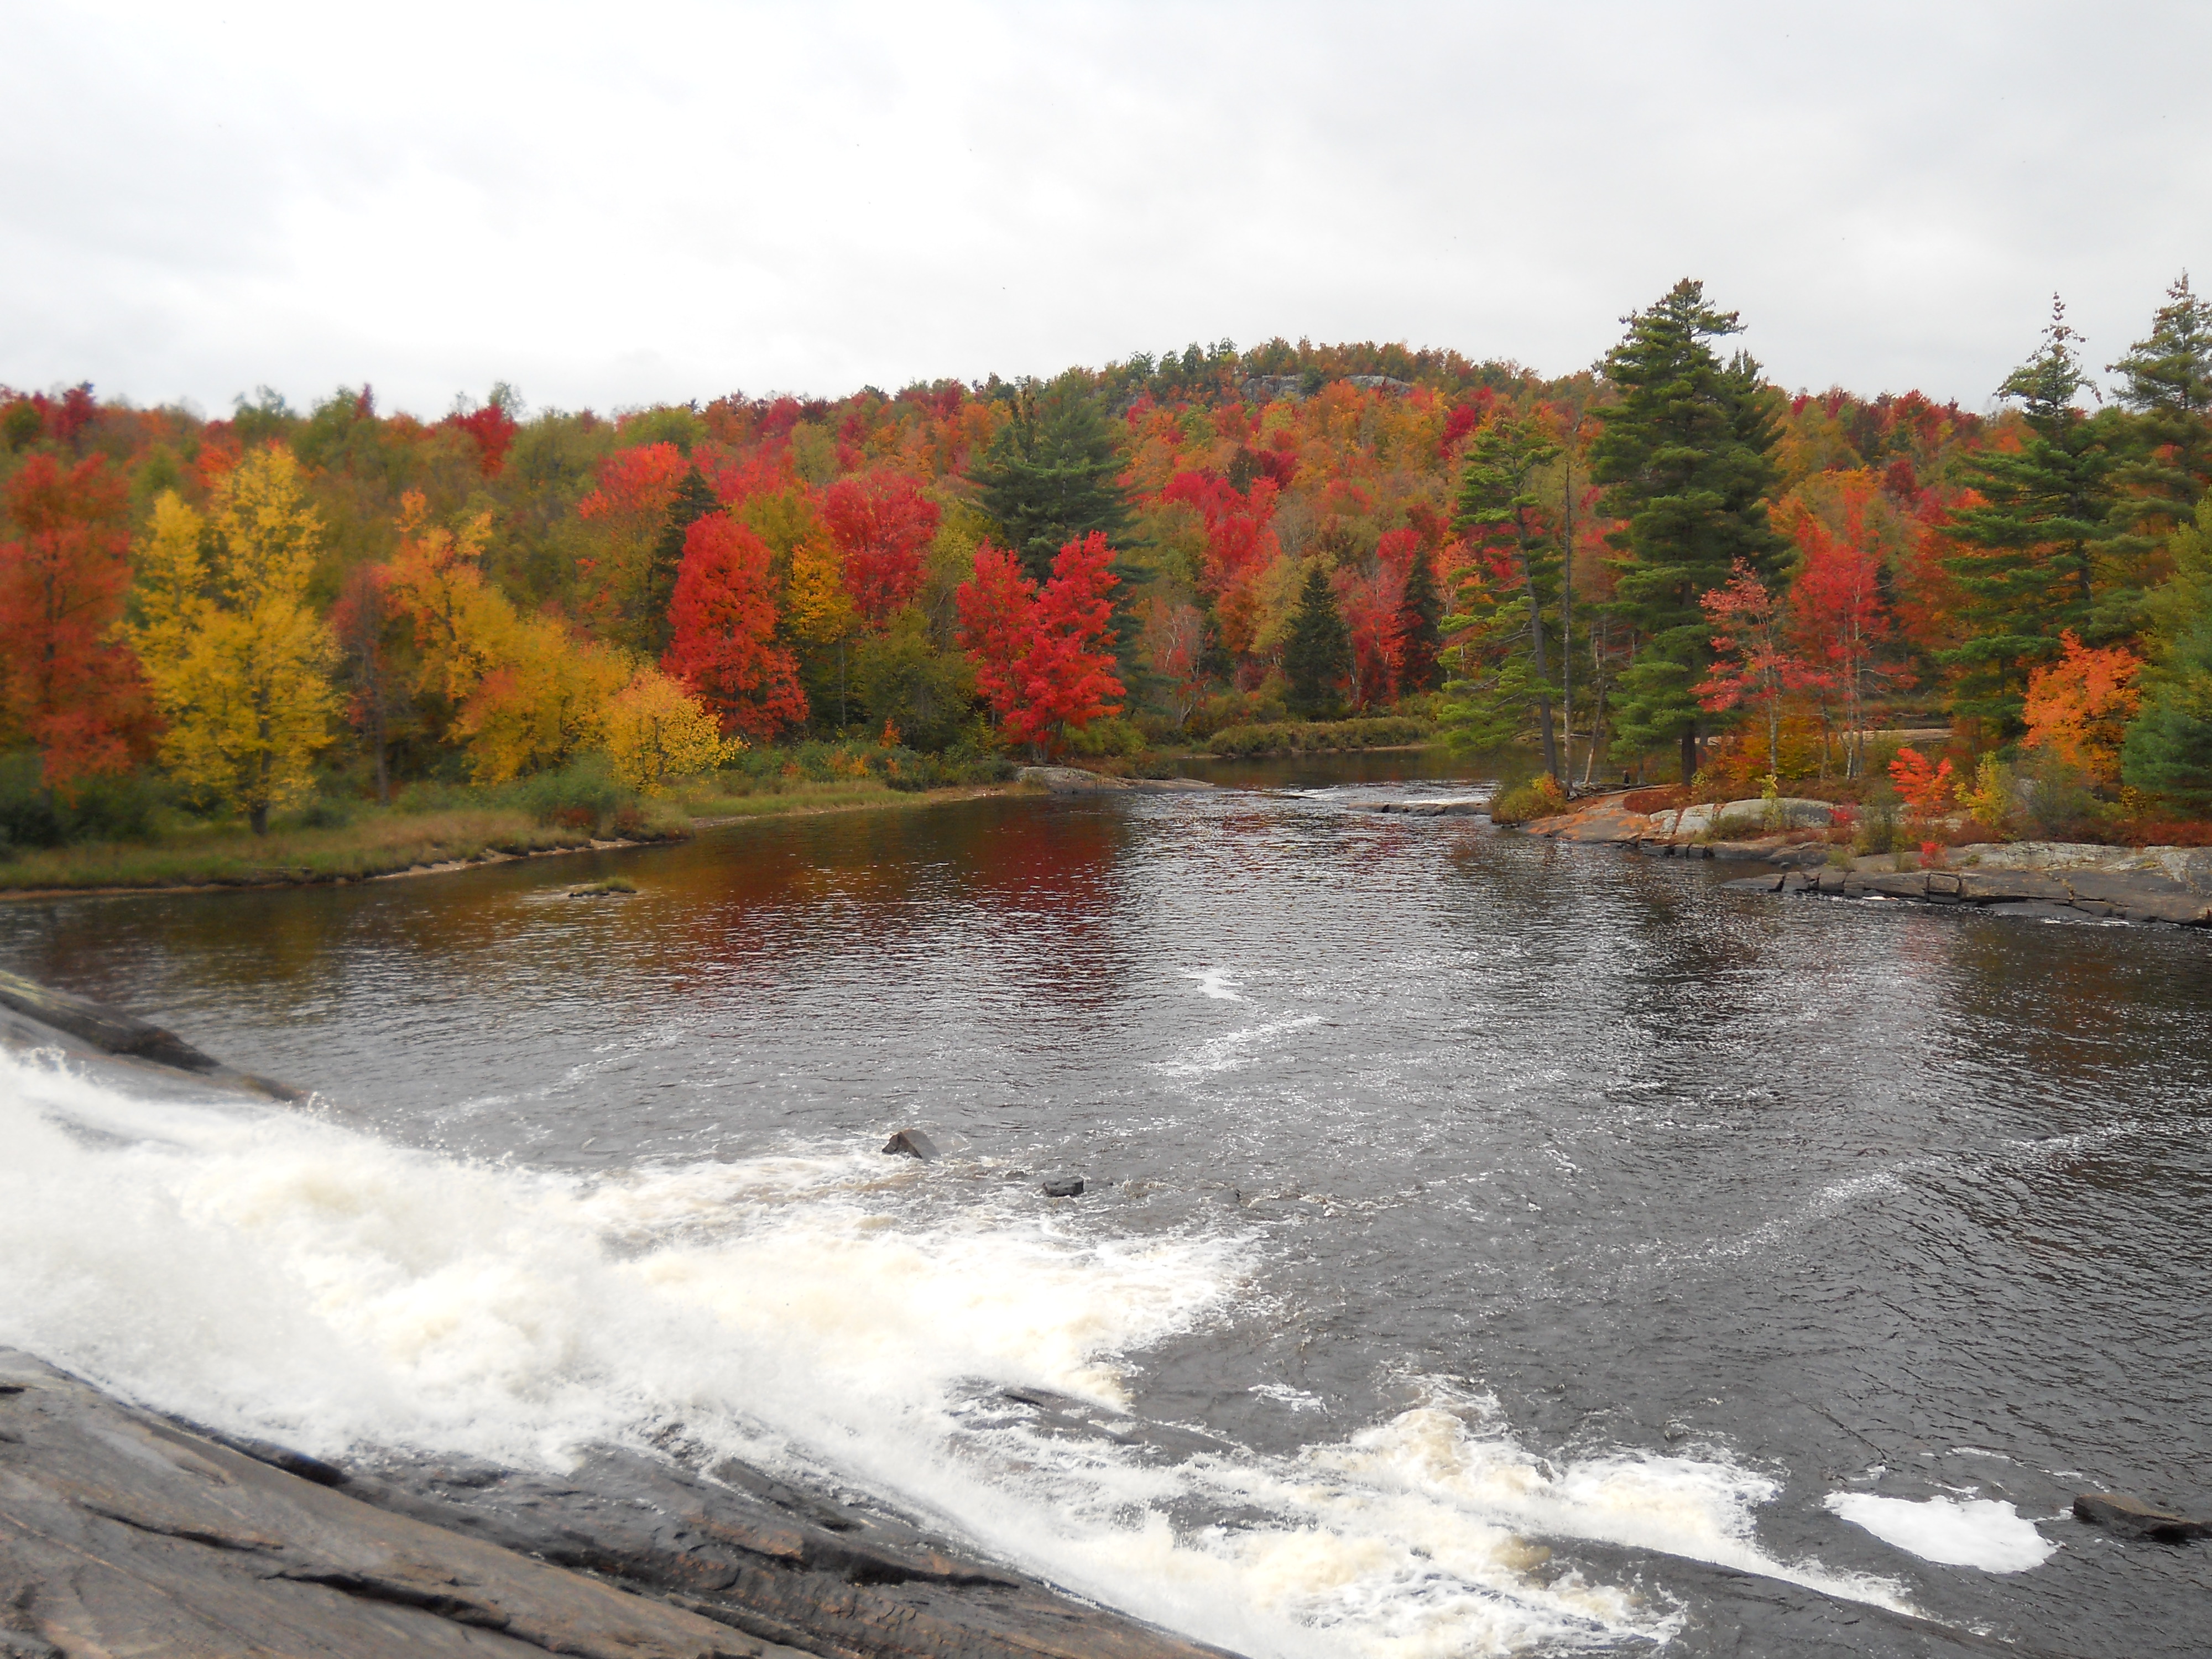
{"type": "Point", "coordinates": [1036, 650]}
{"type": "Point", "coordinates": [1753, 663]}
{"type": "Point", "coordinates": [69, 686]}
{"type": "Point", "coordinates": [723, 618]}
{"type": "Point", "coordinates": [882, 522]}
{"type": "Point", "coordinates": [1838, 619]}
{"type": "Point", "coordinates": [1372, 603]}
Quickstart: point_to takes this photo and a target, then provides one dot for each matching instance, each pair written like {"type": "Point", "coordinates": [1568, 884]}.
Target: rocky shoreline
{"type": "Point", "coordinates": [2055, 880]}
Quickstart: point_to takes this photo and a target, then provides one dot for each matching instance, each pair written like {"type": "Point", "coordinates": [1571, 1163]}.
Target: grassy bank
{"type": "Point", "coordinates": [1316, 737]}
{"type": "Point", "coordinates": [391, 841]}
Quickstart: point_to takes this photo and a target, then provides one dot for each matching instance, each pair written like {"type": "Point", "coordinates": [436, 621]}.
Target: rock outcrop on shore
{"type": "Point", "coordinates": [2055, 879]}
{"type": "Point", "coordinates": [2121, 895]}
{"type": "Point", "coordinates": [121, 1532]}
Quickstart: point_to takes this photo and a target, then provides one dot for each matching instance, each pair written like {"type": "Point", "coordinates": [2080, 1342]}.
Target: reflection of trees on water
{"type": "Point", "coordinates": [1009, 903]}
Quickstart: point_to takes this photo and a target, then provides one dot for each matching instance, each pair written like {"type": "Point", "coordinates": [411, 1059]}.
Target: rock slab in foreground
{"type": "Point", "coordinates": [123, 1534]}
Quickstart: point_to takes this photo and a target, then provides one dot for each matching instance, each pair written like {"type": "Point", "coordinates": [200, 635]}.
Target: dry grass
{"type": "Point", "coordinates": [384, 842]}
{"type": "Point", "coordinates": [710, 803]}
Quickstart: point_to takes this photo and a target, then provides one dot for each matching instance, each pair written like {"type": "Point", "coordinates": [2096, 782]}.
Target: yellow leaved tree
{"type": "Point", "coordinates": [518, 692]}
{"type": "Point", "coordinates": [657, 733]}
{"type": "Point", "coordinates": [238, 662]}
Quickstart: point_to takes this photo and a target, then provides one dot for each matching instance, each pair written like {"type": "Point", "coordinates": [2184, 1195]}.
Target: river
{"type": "Point", "coordinates": [1490, 1246]}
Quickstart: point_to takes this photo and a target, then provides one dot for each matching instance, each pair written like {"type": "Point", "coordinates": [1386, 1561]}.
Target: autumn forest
{"type": "Point", "coordinates": [1664, 568]}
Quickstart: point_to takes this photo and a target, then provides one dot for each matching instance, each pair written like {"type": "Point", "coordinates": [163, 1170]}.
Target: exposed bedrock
{"type": "Point", "coordinates": [2137, 895]}
{"type": "Point", "coordinates": [121, 1532]}
{"type": "Point", "coordinates": [110, 1032]}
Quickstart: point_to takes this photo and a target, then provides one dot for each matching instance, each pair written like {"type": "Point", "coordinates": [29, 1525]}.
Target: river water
{"type": "Point", "coordinates": [1490, 1246]}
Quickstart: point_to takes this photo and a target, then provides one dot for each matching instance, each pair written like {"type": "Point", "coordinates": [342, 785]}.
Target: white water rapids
{"type": "Point", "coordinates": [270, 1272]}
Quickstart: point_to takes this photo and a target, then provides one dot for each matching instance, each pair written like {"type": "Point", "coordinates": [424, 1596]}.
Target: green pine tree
{"type": "Point", "coordinates": [693, 500]}
{"type": "Point", "coordinates": [1052, 475]}
{"type": "Point", "coordinates": [2046, 554]}
{"type": "Point", "coordinates": [1684, 455]}
{"type": "Point", "coordinates": [2168, 750]}
{"type": "Point", "coordinates": [1500, 511]}
{"type": "Point", "coordinates": [2165, 380]}
{"type": "Point", "coordinates": [1318, 653]}
{"type": "Point", "coordinates": [1421, 641]}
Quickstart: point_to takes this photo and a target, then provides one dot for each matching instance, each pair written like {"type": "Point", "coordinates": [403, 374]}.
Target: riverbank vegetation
{"type": "Point", "coordinates": [1666, 565]}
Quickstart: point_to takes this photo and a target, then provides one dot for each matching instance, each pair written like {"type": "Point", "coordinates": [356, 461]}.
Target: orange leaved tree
{"type": "Point", "coordinates": [2077, 708]}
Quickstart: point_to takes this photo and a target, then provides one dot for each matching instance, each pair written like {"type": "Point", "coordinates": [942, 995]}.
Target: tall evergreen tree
{"type": "Point", "coordinates": [1420, 640]}
{"type": "Point", "coordinates": [2166, 381]}
{"type": "Point", "coordinates": [1318, 653]}
{"type": "Point", "coordinates": [2044, 553]}
{"type": "Point", "coordinates": [693, 500]}
{"type": "Point", "coordinates": [1499, 511]}
{"type": "Point", "coordinates": [1051, 476]}
{"type": "Point", "coordinates": [1684, 455]}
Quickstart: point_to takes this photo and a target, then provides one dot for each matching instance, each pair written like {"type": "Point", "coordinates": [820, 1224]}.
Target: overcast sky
{"type": "Point", "coordinates": [610, 205]}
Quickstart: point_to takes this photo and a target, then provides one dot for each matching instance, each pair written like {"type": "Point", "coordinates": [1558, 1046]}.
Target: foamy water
{"type": "Point", "coordinates": [273, 1273]}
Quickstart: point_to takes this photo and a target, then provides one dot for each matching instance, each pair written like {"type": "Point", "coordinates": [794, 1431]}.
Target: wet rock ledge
{"type": "Point", "coordinates": [121, 1532]}
{"type": "Point", "coordinates": [2057, 880]}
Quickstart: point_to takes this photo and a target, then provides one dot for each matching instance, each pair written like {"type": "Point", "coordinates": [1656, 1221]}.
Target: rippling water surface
{"type": "Point", "coordinates": [1490, 1247]}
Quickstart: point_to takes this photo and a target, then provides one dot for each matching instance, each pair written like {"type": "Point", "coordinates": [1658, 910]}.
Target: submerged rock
{"type": "Point", "coordinates": [2133, 1518]}
{"type": "Point", "coordinates": [1063, 1186]}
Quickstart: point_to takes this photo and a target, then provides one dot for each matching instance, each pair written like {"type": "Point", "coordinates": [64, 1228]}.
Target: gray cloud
{"type": "Point", "coordinates": [609, 208]}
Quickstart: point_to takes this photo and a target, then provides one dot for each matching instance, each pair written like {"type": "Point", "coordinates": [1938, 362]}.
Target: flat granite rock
{"type": "Point", "coordinates": [1603, 822]}
{"type": "Point", "coordinates": [2022, 894]}
{"type": "Point", "coordinates": [123, 1533]}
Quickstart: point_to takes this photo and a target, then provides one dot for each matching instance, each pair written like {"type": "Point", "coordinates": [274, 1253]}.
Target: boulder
{"type": "Point", "coordinates": [1063, 1186]}
{"type": "Point", "coordinates": [1787, 813]}
{"type": "Point", "coordinates": [2133, 1518]}
{"type": "Point", "coordinates": [912, 1143]}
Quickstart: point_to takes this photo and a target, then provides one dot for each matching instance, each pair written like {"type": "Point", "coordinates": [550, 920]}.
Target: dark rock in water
{"type": "Point", "coordinates": [126, 1533]}
{"type": "Point", "coordinates": [2132, 1518]}
{"type": "Point", "coordinates": [912, 1143]}
{"type": "Point", "coordinates": [1064, 1187]}
{"type": "Point", "coordinates": [112, 1031]}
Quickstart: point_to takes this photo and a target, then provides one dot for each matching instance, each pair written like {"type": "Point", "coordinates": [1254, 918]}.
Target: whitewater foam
{"type": "Point", "coordinates": [277, 1274]}
{"type": "Point", "coordinates": [1952, 1532]}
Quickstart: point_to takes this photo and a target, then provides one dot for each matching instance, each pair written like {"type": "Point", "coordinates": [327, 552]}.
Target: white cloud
{"type": "Point", "coordinates": [610, 207]}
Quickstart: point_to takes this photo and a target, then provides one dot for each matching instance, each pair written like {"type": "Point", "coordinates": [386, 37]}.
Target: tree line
{"type": "Point", "coordinates": [1663, 564]}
